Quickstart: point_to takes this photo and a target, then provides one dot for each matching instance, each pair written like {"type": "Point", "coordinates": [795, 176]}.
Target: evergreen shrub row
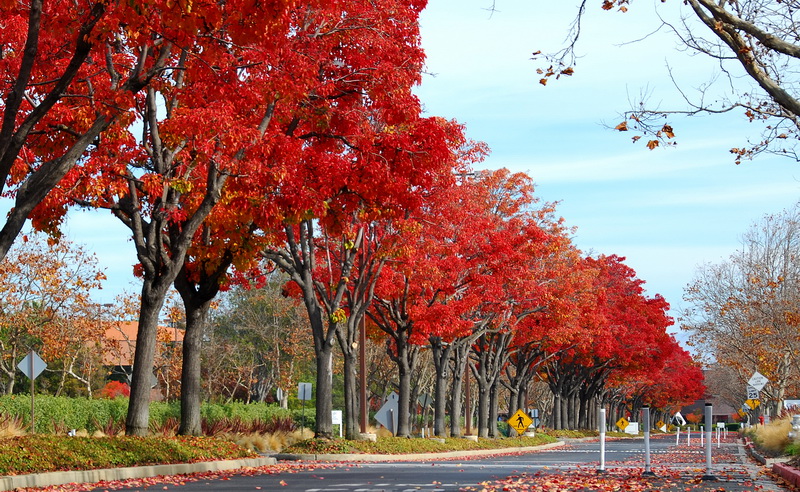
{"type": "Point", "coordinates": [59, 414]}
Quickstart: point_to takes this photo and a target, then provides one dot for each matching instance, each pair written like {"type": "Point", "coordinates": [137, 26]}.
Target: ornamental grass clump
{"type": "Point", "coordinates": [773, 438]}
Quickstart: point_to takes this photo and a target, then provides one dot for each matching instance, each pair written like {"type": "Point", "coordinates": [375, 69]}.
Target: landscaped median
{"type": "Point", "coordinates": [411, 449]}
{"type": "Point", "coordinates": [47, 460]}
{"type": "Point", "coordinates": [42, 460]}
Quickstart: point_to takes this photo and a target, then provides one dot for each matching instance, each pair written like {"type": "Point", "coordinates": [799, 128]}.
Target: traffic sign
{"type": "Point", "coordinates": [753, 404]}
{"type": "Point", "coordinates": [32, 365]}
{"type": "Point", "coordinates": [622, 423]}
{"type": "Point", "coordinates": [304, 391]}
{"type": "Point", "coordinates": [758, 381]}
{"type": "Point", "coordinates": [387, 414]}
{"type": "Point", "coordinates": [752, 393]}
{"type": "Point", "coordinates": [520, 421]}
{"type": "Point", "coordinates": [661, 426]}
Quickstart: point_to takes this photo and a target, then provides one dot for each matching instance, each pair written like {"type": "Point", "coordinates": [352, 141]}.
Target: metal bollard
{"type": "Point", "coordinates": [646, 421]}
{"type": "Point", "coordinates": [602, 425]}
{"type": "Point", "coordinates": [709, 413]}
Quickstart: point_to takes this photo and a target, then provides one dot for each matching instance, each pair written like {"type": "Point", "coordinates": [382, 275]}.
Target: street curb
{"type": "Point", "coordinates": [109, 474]}
{"type": "Point", "coordinates": [763, 460]}
{"type": "Point", "coordinates": [411, 457]}
{"type": "Point", "coordinates": [791, 475]}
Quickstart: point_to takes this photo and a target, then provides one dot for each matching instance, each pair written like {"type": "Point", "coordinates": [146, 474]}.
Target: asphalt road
{"type": "Point", "coordinates": [572, 460]}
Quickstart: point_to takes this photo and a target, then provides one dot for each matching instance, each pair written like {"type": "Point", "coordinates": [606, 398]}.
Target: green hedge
{"type": "Point", "coordinates": [55, 415]}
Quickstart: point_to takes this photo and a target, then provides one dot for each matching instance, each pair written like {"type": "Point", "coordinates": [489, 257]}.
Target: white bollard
{"type": "Point", "coordinates": [709, 416]}
{"type": "Point", "coordinates": [602, 424]}
{"type": "Point", "coordinates": [646, 422]}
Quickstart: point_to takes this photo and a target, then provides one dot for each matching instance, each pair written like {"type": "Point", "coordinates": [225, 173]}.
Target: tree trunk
{"type": "Point", "coordinates": [494, 395]}
{"type": "Point", "coordinates": [351, 396]}
{"type": "Point", "coordinates": [404, 368]}
{"type": "Point", "coordinates": [556, 413]}
{"type": "Point", "coordinates": [196, 318]}
{"type": "Point", "coordinates": [138, 420]}
{"type": "Point", "coordinates": [441, 363]}
{"type": "Point", "coordinates": [324, 418]}
{"type": "Point", "coordinates": [455, 398]}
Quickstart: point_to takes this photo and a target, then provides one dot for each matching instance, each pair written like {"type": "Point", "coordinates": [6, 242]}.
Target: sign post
{"type": "Point", "coordinates": [336, 419]}
{"type": "Point", "coordinates": [303, 394]}
{"type": "Point", "coordinates": [31, 366]}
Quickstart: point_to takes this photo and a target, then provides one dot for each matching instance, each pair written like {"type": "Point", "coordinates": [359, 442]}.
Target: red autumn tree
{"type": "Point", "coordinates": [625, 332]}
{"type": "Point", "coordinates": [201, 122]}
{"type": "Point", "coordinates": [359, 151]}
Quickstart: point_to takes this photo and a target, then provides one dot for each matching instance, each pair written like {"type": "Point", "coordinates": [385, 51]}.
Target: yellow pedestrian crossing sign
{"type": "Point", "coordinates": [622, 423]}
{"type": "Point", "coordinates": [520, 422]}
{"type": "Point", "coordinates": [752, 403]}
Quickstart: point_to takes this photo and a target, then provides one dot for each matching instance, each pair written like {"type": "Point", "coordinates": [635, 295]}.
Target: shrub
{"type": "Point", "coordinates": [114, 389]}
{"type": "Point", "coordinates": [772, 438]}
{"type": "Point", "coordinates": [57, 415]}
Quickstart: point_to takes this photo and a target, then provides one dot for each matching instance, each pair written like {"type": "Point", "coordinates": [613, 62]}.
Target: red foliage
{"type": "Point", "coordinates": [114, 389]}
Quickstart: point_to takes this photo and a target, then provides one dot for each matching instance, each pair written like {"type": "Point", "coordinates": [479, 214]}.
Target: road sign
{"type": "Point", "coordinates": [742, 413]}
{"type": "Point", "coordinates": [758, 381]}
{"type": "Point", "coordinates": [304, 391]}
{"type": "Point", "coordinates": [660, 425]}
{"type": "Point", "coordinates": [752, 393]}
{"type": "Point", "coordinates": [520, 421]}
{"type": "Point", "coordinates": [753, 404]}
{"type": "Point", "coordinates": [387, 415]}
{"type": "Point", "coordinates": [425, 400]}
{"type": "Point", "coordinates": [622, 423]}
{"type": "Point", "coordinates": [32, 365]}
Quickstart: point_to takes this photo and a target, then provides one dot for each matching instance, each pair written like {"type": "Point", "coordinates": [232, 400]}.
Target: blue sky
{"type": "Point", "coordinates": [666, 211]}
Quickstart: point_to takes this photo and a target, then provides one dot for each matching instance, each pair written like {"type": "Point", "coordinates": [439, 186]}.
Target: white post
{"type": "Point", "coordinates": [709, 417]}
{"type": "Point", "coordinates": [602, 425]}
{"type": "Point", "coordinates": [688, 436]}
{"type": "Point", "coordinates": [646, 423]}
{"type": "Point", "coordinates": [678, 436]}
{"type": "Point", "coordinates": [702, 433]}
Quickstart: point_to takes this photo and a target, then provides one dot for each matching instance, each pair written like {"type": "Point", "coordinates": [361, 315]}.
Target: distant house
{"type": "Point", "coordinates": [720, 412]}
{"type": "Point", "coordinates": [119, 346]}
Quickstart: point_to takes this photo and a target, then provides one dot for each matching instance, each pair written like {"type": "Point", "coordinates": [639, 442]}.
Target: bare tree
{"type": "Point", "coordinates": [745, 40]}
{"type": "Point", "coordinates": [744, 311]}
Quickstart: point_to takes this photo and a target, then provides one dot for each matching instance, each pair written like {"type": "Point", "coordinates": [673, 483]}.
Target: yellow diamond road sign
{"type": "Point", "coordinates": [622, 423]}
{"type": "Point", "coordinates": [520, 422]}
{"type": "Point", "coordinates": [661, 425]}
{"type": "Point", "coordinates": [753, 404]}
